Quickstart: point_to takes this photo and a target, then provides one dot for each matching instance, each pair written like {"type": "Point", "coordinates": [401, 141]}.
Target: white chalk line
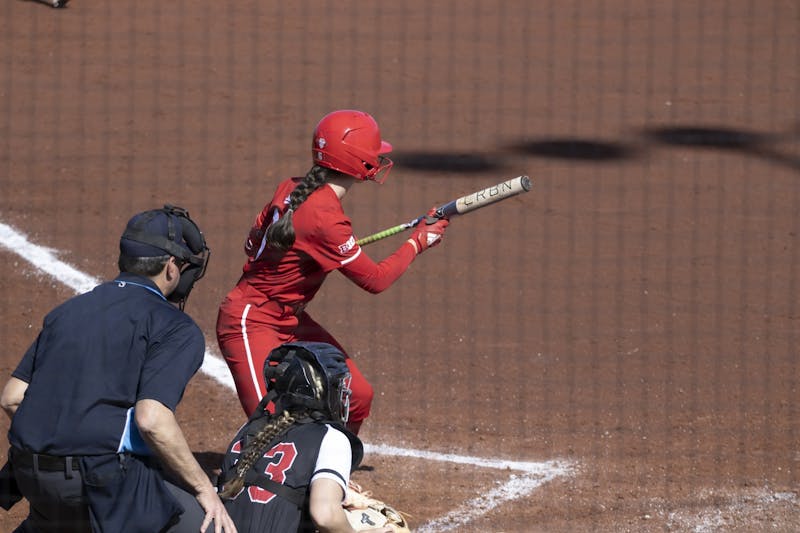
{"type": "Point", "coordinates": [534, 474]}
{"type": "Point", "coordinates": [45, 260]}
{"type": "Point", "coordinates": [515, 488]}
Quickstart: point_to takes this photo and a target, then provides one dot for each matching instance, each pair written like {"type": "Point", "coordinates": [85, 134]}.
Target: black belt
{"type": "Point", "coordinates": [48, 463]}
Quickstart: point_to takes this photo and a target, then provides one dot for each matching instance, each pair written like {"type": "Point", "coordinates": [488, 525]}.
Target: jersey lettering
{"type": "Point", "coordinates": [347, 246]}
{"type": "Point", "coordinates": [282, 458]}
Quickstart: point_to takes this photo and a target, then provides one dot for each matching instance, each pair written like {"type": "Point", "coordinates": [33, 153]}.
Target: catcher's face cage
{"type": "Point", "coordinates": [193, 265]}
{"type": "Point", "coordinates": [311, 375]}
{"type": "Point", "coordinates": [343, 393]}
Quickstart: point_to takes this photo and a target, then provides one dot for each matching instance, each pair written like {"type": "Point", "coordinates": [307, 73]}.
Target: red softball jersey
{"type": "Point", "coordinates": [266, 308]}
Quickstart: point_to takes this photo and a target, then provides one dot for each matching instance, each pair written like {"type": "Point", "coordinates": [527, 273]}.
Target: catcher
{"type": "Point", "coordinates": [290, 471]}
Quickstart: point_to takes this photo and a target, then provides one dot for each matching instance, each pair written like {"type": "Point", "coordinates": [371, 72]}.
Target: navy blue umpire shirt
{"type": "Point", "coordinates": [96, 356]}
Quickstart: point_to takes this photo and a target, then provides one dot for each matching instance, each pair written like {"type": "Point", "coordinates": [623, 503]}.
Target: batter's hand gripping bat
{"type": "Point", "coordinates": [460, 206]}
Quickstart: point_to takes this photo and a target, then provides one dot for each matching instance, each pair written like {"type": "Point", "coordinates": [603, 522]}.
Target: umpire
{"type": "Point", "coordinates": [95, 445]}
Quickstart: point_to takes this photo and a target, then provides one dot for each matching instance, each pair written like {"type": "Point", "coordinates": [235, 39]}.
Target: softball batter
{"type": "Point", "coordinates": [297, 239]}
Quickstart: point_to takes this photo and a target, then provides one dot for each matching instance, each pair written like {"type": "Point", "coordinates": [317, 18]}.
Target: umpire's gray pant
{"type": "Point", "coordinates": [57, 504]}
{"type": "Point", "coordinates": [55, 498]}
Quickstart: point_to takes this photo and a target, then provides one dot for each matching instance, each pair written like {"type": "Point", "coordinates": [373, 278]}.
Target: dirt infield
{"type": "Point", "coordinates": [630, 325]}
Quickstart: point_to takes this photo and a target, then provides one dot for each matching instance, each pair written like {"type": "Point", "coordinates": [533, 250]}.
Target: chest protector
{"type": "Point", "coordinates": [275, 495]}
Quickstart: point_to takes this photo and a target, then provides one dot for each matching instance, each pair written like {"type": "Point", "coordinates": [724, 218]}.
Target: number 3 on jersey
{"type": "Point", "coordinates": [281, 458]}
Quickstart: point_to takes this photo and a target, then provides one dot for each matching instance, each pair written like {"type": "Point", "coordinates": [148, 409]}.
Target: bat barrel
{"type": "Point", "coordinates": [492, 194]}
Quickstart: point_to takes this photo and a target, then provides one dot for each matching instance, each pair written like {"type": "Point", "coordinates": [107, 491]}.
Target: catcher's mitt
{"type": "Point", "coordinates": [365, 512]}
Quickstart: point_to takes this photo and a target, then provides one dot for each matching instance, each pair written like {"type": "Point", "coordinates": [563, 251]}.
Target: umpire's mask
{"type": "Point", "coordinates": [170, 230]}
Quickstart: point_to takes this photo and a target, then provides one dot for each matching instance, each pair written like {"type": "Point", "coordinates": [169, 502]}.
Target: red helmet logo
{"type": "Point", "coordinates": [349, 141]}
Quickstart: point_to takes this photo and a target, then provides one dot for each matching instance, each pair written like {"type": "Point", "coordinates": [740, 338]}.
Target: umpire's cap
{"type": "Point", "coordinates": [155, 233]}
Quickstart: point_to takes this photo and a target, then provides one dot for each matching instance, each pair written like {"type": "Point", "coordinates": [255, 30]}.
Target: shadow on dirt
{"type": "Point", "coordinates": [576, 149]}
{"type": "Point", "coordinates": [729, 139]}
{"type": "Point", "coordinates": [445, 162]}
{"type": "Point", "coordinates": [581, 150]}
{"type": "Point", "coordinates": [702, 137]}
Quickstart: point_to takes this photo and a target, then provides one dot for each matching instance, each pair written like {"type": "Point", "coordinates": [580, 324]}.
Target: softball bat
{"type": "Point", "coordinates": [462, 205]}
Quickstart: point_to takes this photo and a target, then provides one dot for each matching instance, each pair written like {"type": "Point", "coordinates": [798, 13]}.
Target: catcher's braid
{"type": "Point", "coordinates": [280, 234]}
{"type": "Point", "coordinates": [255, 449]}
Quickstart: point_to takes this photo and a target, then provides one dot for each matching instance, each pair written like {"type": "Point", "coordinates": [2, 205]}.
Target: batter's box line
{"type": "Point", "coordinates": [533, 475]}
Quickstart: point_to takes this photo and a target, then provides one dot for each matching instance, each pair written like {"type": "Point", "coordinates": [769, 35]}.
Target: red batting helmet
{"type": "Point", "coordinates": [349, 141]}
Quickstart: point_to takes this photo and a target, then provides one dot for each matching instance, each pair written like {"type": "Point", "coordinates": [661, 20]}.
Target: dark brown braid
{"type": "Point", "coordinates": [255, 449]}
{"type": "Point", "coordinates": [280, 234]}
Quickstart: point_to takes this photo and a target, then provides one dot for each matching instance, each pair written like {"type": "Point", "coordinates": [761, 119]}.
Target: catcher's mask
{"type": "Point", "coordinates": [309, 374]}
{"type": "Point", "coordinates": [349, 141]}
{"type": "Point", "coordinates": [170, 231]}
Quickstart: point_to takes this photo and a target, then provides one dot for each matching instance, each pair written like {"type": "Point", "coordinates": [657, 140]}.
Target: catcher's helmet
{"type": "Point", "coordinates": [349, 141]}
{"type": "Point", "coordinates": [309, 374]}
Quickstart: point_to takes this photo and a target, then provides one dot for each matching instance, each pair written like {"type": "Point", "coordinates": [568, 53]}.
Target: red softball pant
{"type": "Point", "coordinates": [248, 331]}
